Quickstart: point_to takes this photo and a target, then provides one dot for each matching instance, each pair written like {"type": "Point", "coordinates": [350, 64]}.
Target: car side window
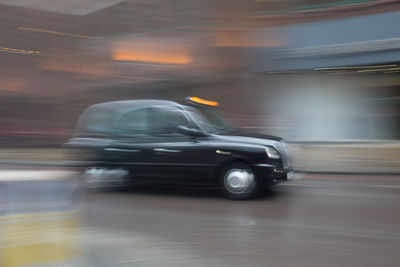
{"type": "Point", "coordinates": [95, 123]}
{"type": "Point", "coordinates": [166, 119]}
{"type": "Point", "coordinates": [135, 122]}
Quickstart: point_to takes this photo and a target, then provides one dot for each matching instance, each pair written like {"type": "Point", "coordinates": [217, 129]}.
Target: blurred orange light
{"type": "Point", "coordinates": [203, 101]}
{"type": "Point", "coordinates": [152, 57]}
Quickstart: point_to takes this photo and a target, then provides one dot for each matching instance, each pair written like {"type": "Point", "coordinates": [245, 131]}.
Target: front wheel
{"type": "Point", "coordinates": [237, 181]}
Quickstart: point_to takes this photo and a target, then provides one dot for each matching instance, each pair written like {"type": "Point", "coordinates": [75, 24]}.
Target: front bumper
{"type": "Point", "coordinates": [269, 174]}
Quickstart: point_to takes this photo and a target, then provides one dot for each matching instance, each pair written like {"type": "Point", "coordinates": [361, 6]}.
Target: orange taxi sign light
{"type": "Point", "coordinates": [198, 100]}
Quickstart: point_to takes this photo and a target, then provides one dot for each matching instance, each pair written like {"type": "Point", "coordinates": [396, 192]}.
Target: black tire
{"type": "Point", "coordinates": [237, 181]}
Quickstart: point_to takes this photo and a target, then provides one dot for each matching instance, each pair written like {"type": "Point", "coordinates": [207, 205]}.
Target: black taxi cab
{"type": "Point", "coordinates": [167, 142]}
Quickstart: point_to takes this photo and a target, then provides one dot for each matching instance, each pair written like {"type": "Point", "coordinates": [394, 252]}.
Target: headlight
{"type": "Point", "coordinates": [272, 152]}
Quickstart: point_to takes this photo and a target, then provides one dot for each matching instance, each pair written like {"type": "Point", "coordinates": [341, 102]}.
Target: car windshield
{"type": "Point", "coordinates": [209, 120]}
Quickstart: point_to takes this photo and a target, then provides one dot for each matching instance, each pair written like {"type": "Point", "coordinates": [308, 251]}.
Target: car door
{"type": "Point", "coordinates": [176, 156]}
{"type": "Point", "coordinates": [132, 145]}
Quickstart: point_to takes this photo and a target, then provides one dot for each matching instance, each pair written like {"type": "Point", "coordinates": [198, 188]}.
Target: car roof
{"type": "Point", "coordinates": [115, 109]}
{"type": "Point", "coordinates": [125, 105]}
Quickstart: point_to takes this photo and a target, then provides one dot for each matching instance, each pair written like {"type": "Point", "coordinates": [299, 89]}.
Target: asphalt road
{"type": "Point", "coordinates": [320, 220]}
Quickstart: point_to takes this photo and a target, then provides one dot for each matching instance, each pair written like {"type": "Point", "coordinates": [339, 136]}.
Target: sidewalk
{"type": "Point", "coordinates": [368, 158]}
{"type": "Point", "coordinates": [350, 157]}
{"type": "Point", "coordinates": [40, 156]}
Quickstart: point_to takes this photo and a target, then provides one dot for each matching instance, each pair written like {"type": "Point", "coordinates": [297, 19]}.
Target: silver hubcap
{"type": "Point", "coordinates": [97, 177]}
{"type": "Point", "coordinates": [239, 181]}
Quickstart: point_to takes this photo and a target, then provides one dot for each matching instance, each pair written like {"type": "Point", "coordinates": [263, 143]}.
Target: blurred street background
{"type": "Point", "coordinates": [323, 74]}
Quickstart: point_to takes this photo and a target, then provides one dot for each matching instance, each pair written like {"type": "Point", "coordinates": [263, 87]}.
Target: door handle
{"type": "Point", "coordinates": [223, 152]}
{"type": "Point", "coordinates": [121, 150]}
{"type": "Point", "coordinates": [164, 150]}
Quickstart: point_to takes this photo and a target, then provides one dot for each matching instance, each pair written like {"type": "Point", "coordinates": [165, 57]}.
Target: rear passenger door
{"type": "Point", "coordinates": [132, 147]}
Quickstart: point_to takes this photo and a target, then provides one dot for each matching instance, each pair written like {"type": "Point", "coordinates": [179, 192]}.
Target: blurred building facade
{"type": "Point", "coordinates": [338, 79]}
{"type": "Point", "coordinates": [263, 60]}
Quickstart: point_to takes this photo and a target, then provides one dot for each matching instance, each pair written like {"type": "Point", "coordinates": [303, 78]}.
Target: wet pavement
{"type": "Point", "coordinates": [320, 220]}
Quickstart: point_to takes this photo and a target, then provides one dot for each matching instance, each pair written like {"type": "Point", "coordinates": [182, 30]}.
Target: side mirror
{"type": "Point", "coordinates": [189, 131]}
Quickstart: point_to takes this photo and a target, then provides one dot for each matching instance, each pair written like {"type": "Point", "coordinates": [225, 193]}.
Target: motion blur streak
{"type": "Point", "coordinates": [22, 51]}
{"type": "Point", "coordinates": [57, 33]}
{"type": "Point", "coordinates": [357, 67]}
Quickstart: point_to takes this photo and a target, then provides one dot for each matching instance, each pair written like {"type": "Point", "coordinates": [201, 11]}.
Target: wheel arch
{"type": "Point", "coordinates": [221, 165]}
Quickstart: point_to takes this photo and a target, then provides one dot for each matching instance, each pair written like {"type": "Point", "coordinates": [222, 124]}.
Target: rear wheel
{"type": "Point", "coordinates": [95, 178]}
{"type": "Point", "coordinates": [237, 181]}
